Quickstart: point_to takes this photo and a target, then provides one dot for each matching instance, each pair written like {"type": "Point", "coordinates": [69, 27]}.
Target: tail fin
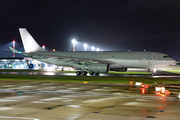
{"type": "Point", "coordinates": [30, 45]}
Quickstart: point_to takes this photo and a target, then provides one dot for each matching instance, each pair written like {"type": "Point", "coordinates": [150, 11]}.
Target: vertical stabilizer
{"type": "Point", "coordinates": [30, 45]}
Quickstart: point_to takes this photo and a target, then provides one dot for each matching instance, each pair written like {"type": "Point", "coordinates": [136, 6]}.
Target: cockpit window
{"type": "Point", "coordinates": [166, 56]}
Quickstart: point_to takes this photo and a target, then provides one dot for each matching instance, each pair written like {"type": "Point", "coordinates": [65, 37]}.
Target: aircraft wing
{"type": "Point", "coordinates": [69, 59]}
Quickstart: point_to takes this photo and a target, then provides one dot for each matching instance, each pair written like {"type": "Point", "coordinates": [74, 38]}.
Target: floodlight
{"type": "Point", "coordinates": [74, 43]}
{"type": "Point", "coordinates": [85, 46]}
{"type": "Point", "coordinates": [92, 48]}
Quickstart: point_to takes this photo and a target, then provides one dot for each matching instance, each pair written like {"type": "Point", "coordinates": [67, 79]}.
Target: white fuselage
{"type": "Point", "coordinates": [149, 60]}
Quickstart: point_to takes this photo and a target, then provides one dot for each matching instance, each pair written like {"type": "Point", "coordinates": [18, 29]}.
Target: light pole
{"type": "Point", "coordinates": [97, 49]}
{"type": "Point", "coordinates": [92, 48]}
{"type": "Point", "coordinates": [85, 46]}
{"type": "Point", "coordinates": [74, 43]}
{"type": "Point", "coordinates": [13, 47]}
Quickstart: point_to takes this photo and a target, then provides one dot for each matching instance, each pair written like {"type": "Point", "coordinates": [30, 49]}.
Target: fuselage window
{"type": "Point", "coordinates": [166, 56]}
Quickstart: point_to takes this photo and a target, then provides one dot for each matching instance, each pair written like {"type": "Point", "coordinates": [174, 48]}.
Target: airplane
{"type": "Point", "coordinates": [93, 61]}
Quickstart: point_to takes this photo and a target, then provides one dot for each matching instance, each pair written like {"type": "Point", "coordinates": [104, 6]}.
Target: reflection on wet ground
{"type": "Point", "coordinates": [68, 74]}
{"type": "Point", "coordinates": [67, 101]}
{"type": "Point", "coordinates": [159, 73]}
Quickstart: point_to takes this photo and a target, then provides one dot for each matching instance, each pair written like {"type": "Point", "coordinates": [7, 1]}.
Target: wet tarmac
{"type": "Point", "coordinates": [68, 74]}
{"type": "Point", "coordinates": [66, 101]}
{"type": "Point", "coordinates": [159, 73]}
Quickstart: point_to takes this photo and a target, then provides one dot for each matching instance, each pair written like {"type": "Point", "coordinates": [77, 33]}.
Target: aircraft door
{"type": "Point", "coordinates": [154, 56]}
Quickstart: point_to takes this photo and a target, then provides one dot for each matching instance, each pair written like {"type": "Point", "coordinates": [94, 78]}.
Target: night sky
{"type": "Point", "coordinates": [111, 25]}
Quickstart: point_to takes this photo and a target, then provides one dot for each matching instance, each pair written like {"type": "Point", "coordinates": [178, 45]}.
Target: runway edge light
{"type": "Point", "coordinates": [138, 83]}
{"type": "Point", "coordinates": [131, 82]}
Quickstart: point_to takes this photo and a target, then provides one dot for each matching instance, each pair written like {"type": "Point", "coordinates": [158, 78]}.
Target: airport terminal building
{"type": "Point", "coordinates": [13, 63]}
{"type": "Point", "coordinates": [20, 63]}
{"type": "Point", "coordinates": [27, 63]}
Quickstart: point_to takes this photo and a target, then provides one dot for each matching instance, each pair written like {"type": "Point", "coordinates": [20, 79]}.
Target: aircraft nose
{"type": "Point", "coordinates": [173, 61]}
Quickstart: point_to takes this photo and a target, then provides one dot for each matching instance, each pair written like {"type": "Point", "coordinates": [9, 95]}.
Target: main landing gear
{"type": "Point", "coordinates": [81, 72]}
{"type": "Point", "coordinates": [93, 73]}
{"type": "Point", "coordinates": [84, 73]}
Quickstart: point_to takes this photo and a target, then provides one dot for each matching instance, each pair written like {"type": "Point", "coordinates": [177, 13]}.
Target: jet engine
{"type": "Point", "coordinates": [98, 68]}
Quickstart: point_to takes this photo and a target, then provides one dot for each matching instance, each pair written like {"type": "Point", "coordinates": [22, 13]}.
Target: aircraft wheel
{"type": "Point", "coordinates": [96, 73]}
{"type": "Point", "coordinates": [78, 72]}
{"type": "Point", "coordinates": [84, 73]}
{"type": "Point", "coordinates": [91, 73]}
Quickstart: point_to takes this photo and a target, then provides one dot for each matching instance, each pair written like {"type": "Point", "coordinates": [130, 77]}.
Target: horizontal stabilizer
{"type": "Point", "coordinates": [13, 50]}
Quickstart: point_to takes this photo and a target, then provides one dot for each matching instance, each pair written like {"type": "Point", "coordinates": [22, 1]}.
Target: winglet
{"type": "Point", "coordinates": [13, 50]}
{"type": "Point", "coordinates": [29, 43]}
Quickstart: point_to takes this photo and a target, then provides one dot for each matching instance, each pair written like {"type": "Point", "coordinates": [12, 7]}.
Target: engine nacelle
{"type": "Point", "coordinates": [119, 69]}
{"type": "Point", "coordinates": [100, 68]}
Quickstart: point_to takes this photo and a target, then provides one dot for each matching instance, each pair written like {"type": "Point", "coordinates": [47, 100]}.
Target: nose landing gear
{"type": "Point", "coordinates": [153, 72]}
